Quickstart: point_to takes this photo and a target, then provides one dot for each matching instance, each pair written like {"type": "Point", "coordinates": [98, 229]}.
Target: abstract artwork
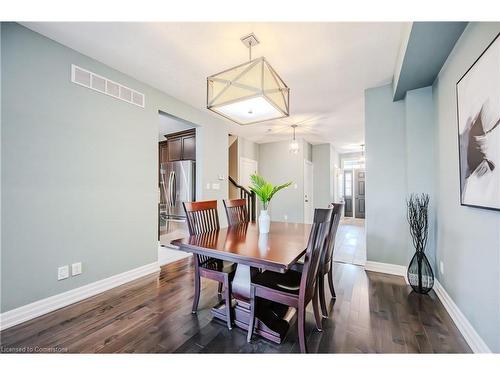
{"type": "Point", "coordinates": [478, 109]}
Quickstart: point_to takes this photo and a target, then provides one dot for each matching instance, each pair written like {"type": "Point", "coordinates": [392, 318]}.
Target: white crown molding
{"type": "Point", "coordinates": [470, 335]}
{"type": "Point", "coordinates": [35, 309]}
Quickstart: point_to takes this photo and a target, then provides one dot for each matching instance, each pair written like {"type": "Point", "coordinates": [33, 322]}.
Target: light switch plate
{"type": "Point", "coordinates": [76, 269]}
{"type": "Point", "coordinates": [208, 186]}
{"type": "Point", "coordinates": [62, 272]}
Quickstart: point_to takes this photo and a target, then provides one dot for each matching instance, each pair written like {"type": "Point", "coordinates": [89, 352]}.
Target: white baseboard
{"type": "Point", "coordinates": [391, 269]}
{"type": "Point", "coordinates": [35, 309]}
{"type": "Point", "coordinates": [167, 255]}
{"type": "Point", "coordinates": [470, 335]}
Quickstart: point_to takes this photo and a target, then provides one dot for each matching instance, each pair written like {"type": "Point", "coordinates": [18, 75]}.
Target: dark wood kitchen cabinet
{"type": "Point", "coordinates": [189, 147]}
{"type": "Point", "coordinates": [163, 151]}
{"type": "Point", "coordinates": [174, 149]}
{"type": "Point", "coordinates": [181, 145]}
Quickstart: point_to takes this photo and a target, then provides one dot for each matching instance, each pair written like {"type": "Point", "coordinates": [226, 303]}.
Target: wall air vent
{"type": "Point", "coordinates": [103, 85]}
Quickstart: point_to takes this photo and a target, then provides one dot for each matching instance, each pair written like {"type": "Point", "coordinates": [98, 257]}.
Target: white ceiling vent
{"type": "Point", "coordinates": [96, 82]}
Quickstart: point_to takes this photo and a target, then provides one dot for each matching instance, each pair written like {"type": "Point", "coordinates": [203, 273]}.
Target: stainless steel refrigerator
{"type": "Point", "coordinates": [178, 185]}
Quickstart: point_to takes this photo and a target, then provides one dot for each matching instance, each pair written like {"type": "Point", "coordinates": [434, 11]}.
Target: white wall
{"type": "Point", "coordinates": [248, 149]}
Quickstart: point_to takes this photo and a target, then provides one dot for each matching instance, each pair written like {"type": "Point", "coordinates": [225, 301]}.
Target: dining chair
{"type": "Point", "coordinates": [292, 288]}
{"type": "Point", "coordinates": [326, 262]}
{"type": "Point", "coordinates": [236, 211]}
{"type": "Point", "coordinates": [202, 217]}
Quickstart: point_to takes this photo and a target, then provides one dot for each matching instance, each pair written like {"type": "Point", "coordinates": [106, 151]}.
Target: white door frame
{"type": "Point", "coordinates": [308, 216]}
{"type": "Point", "coordinates": [244, 159]}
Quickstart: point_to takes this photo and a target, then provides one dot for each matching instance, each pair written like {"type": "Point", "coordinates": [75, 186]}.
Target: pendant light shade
{"type": "Point", "coordinates": [248, 93]}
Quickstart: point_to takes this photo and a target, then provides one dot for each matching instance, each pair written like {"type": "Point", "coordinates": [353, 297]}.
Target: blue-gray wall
{"type": "Point", "coordinates": [79, 169]}
{"type": "Point", "coordinates": [411, 146]}
{"type": "Point", "coordinates": [385, 138]}
{"type": "Point", "coordinates": [278, 166]}
{"type": "Point", "coordinates": [323, 158]}
{"type": "Point", "coordinates": [399, 162]}
{"type": "Point", "coordinates": [420, 160]}
{"type": "Point", "coordinates": [468, 239]}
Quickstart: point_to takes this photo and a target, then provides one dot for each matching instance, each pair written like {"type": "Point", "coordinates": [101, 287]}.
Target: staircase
{"type": "Point", "coordinates": [248, 195]}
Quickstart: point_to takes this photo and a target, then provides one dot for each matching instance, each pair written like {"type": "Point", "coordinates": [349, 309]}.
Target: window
{"type": "Point", "coordinates": [353, 164]}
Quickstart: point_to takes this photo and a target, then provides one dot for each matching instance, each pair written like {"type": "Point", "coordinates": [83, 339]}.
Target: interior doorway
{"type": "Point", "coordinates": [247, 168]}
{"type": "Point", "coordinates": [350, 242]}
{"type": "Point", "coordinates": [348, 188]}
{"type": "Point", "coordinates": [359, 193]}
{"type": "Point", "coordinates": [176, 182]}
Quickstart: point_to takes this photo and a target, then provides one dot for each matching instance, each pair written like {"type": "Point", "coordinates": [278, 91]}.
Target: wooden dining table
{"type": "Point", "coordinates": [253, 252]}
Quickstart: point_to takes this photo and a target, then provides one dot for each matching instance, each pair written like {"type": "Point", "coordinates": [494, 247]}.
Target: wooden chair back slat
{"type": "Point", "coordinates": [236, 211]}
{"type": "Point", "coordinates": [315, 248]}
{"type": "Point", "coordinates": [202, 217]}
{"type": "Point", "coordinates": [332, 232]}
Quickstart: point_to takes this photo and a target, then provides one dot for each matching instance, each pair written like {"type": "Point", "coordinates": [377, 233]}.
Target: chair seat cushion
{"type": "Point", "coordinates": [288, 282]}
{"type": "Point", "coordinates": [219, 266]}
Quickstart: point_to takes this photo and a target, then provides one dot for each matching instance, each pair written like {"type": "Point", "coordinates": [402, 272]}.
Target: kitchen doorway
{"type": "Point", "coordinates": [176, 182]}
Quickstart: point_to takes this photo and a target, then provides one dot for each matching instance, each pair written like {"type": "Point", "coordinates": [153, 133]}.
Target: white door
{"type": "Point", "coordinates": [308, 192]}
{"type": "Point", "coordinates": [247, 168]}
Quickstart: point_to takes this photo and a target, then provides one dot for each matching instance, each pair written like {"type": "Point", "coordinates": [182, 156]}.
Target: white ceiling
{"type": "Point", "coordinates": [326, 65]}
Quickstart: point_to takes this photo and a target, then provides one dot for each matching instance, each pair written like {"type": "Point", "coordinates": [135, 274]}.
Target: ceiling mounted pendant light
{"type": "Point", "coordinates": [294, 144]}
{"type": "Point", "coordinates": [248, 93]}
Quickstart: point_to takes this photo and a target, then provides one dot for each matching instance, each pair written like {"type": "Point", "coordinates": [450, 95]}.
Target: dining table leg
{"type": "Point", "coordinates": [272, 319]}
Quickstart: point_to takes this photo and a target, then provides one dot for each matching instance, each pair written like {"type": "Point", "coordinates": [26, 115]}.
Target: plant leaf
{"type": "Point", "coordinates": [263, 189]}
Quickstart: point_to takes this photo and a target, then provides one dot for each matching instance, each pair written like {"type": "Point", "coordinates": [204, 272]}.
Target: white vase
{"type": "Point", "coordinates": [264, 222]}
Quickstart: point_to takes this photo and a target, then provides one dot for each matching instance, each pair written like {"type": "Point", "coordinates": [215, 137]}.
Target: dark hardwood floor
{"type": "Point", "coordinates": [373, 313]}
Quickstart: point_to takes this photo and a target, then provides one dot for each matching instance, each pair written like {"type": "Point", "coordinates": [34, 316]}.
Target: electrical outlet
{"type": "Point", "coordinates": [215, 186]}
{"type": "Point", "coordinates": [441, 267]}
{"type": "Point", "coordinates": [62, 273]}
{"type": "Point", "coordinates": [76, 269]}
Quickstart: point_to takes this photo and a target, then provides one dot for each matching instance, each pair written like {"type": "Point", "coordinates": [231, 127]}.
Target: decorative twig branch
{"type": "Point", "coordinates": [417, 215]}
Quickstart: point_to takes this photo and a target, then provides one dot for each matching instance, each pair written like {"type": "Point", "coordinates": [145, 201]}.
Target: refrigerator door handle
{"type": "Point", "coordinates": [164, 187]}
{"type": "Point", "coordinates": [172, 189]}
{"type": "Point", "coordinates": [169, 190]}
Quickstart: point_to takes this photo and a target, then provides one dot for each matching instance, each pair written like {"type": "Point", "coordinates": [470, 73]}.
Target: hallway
{"type": "Point", "coordinates": [350, 243]}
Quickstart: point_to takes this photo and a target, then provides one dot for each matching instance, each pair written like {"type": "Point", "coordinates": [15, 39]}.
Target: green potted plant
{"type": "Point", "coordinates": [265, 192]}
